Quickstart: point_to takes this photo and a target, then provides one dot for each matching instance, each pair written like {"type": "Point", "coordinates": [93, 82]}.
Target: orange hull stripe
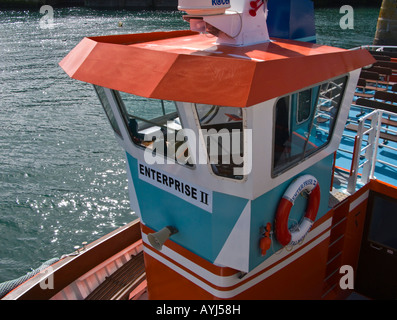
{"type": "Point", "coordinates": [157, 272]}
{"type": "Point", "coordinates": [220, 270]}
{"type": "Point", "coordinates": [224, 272]}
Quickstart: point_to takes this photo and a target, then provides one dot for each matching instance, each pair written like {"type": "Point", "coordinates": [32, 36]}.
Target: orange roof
{"type": "Point", "coordinates": [190, 67]}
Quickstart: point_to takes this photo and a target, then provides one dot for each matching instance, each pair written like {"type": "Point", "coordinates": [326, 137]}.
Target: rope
{"type": "Point", "coordinates": [10, 285]}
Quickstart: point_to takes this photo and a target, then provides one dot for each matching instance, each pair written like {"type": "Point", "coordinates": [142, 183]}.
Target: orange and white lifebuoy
{"type": "Point", "coordinates": [308, 184]}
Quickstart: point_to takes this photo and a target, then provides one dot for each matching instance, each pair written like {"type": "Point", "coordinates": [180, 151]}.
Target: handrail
{"type": "Point", "coordinates": [373, 46]}
{"type": "Point", "coordinates": [369, 125]}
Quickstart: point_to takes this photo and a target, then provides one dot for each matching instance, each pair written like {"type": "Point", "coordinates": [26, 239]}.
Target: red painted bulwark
{"type": "Point", "coordinates": [166, 284]}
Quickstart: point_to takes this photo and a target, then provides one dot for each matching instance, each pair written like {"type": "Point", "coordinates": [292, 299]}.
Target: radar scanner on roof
{"type": "Point", "coordinates": [233, 22]}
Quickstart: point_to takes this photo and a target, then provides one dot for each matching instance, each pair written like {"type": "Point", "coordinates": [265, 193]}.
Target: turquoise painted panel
{"type": "Point", "coordinates": [264, 208]}
{"type": "Point", "coordinates": [204, 233]}
{"type": "Point", "coordinates": [200, 231]}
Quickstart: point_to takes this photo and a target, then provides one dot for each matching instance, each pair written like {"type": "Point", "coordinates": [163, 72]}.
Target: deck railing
{"type": "Point", "coordinates": [375, 130]}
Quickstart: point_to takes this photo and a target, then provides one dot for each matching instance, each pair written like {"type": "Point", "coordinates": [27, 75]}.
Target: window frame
{"type": "Point", "coordinates": [115, 125]}
{"type": "Point", "coordinates": [212, 169]}
{"type": "Point", "coordinates": [125, 117]}
{"type": "Point", "coordinates": [306, 153]}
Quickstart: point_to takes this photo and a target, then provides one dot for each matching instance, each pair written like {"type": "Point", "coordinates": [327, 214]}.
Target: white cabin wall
{"type": "Point", "coordinates": [261, 117]}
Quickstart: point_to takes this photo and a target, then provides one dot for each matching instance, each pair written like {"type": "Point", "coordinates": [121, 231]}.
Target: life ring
{"type": "Point", "coordinates": [310, 185]}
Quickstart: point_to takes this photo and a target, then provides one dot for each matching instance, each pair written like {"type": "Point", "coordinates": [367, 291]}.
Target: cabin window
{"type": "Point", "coordinates": [108, 110]}
{"type": "Point", "coordinates": [304, 105]}
{"type": "Point", "coordinates": [155, 126]}
{"type": "Point", "coordinates": [304, 122]}
{"type": "Point", "coordinates": [222, 130]}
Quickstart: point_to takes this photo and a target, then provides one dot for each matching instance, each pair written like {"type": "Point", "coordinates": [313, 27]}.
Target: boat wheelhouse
{"type": "Point", "coordinates": [231, 140]}
{"type": "Point", "coordinates": [214, 134]}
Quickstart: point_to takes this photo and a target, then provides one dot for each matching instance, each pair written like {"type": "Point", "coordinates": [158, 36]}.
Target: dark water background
{"type": "Point", "coordinates": [62, 174]}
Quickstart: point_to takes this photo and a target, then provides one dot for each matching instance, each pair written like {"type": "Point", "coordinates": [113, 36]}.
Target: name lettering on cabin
{"type": "Point", "coordinates": [189, 192]}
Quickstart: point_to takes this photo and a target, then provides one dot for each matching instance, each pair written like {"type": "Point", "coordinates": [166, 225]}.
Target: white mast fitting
{"type": "Point", "coordinates": [233, 22]}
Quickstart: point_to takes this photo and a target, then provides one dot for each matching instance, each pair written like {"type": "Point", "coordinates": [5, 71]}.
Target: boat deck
{"type": "Point", "coordinates": [122, 282]}
{"type": "Point", "coordinates": [375, 96]}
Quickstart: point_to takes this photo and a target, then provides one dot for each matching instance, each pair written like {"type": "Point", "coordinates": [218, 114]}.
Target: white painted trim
{"type": "Point", "coordinates": [358, 201]}
{"type": "Point", "coordinates": [134, 203]}
{"type": "Point", "coordinates": [233, 292]}
{"type": "Point", "coordinates": [235, 250]}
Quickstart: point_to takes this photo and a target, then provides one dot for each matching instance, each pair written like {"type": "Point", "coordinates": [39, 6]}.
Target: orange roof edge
{"type": "Point", "coordinates": [77, 56]}
{"type": "Point", "coordinates": [174, 70]}
{"type": "Point", "coordinates": [127, 39]}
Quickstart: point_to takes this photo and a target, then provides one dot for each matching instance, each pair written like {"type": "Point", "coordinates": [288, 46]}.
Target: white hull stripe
{"type": "Point", "coordinates": [231, 293]}
{"type": "Point", "coordinates": [229, 281]}
{"type": "Point", "coordinates": [358, 201]}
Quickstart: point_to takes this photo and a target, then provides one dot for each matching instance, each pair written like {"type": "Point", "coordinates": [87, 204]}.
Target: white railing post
{"type": "Point", "coordinates": [352, 182]}
{"type": "Point", "coordinates": [370, 155]}
{"type": "Point", "coordinates": [376, 145]}
{"type": "Point", "coordinates": [370, 149]}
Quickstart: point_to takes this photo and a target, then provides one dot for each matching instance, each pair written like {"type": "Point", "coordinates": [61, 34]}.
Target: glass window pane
{"type": "Point", "coordinates": [155, 125]}
{"type": "Point", "coordinates": [282, 135]}
{"type": "Point", "coordinates": [330, 98]}
{"type": "Point", "coordinates": [316, 110]}
{"type": "Point", "coordinates": [108, 110]}
{"type": "Point", "coordinates": [304, 105]}
{"type": "Point", "coordinates": [222, 129]}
